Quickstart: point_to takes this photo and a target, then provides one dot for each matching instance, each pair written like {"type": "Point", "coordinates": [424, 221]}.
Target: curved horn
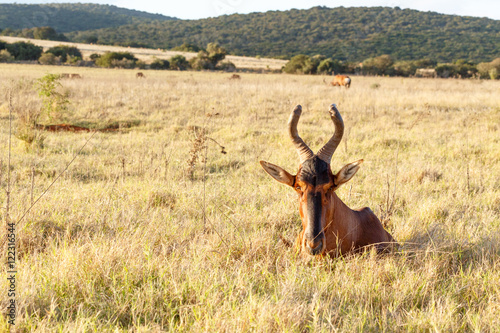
{"type": "Point", "coordinates": [328, 149]}
{"type": "Point", "coordinates": [304, 151]}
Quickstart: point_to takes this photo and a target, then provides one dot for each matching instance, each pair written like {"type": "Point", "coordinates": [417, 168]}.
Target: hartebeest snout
{"type": "Point", "coordinates": [328, 225]}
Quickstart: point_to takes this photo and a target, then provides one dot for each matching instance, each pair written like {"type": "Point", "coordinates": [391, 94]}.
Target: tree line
{"type": "Point", "coordinates": [347, 34]}
{"type": "Point", "coordinates": [209, 58]}
{"type": "Point", "coordinates": [387, 66]}
{"type": "Point", "coordinates": [212, 58]}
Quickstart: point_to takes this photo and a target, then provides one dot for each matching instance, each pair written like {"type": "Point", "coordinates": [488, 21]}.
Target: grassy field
{"type": "Point", "coordinates": [128, 239]}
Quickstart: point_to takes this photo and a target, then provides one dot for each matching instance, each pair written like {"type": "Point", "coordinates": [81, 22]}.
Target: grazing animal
{"type": "Point", "coordinates": [329, 227]}
{"type": "Point", "coordinates": [235, 77]}
{"type": "Point", "coordinates": [140, 75]}
{"type": "Point", "coordinates": [426, 72]}
{"type": "Point", "coordinates": [70, 76]}
{"type": "Point", "coordinates": [340, 80]}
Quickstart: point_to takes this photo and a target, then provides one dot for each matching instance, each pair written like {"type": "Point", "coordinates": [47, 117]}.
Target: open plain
{"type": "Point", "coordinates": [152, 228]}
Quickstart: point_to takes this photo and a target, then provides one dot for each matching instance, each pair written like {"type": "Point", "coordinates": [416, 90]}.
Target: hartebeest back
{"type": "Point", "coordinates": [328, 225]}
{"type": "Point", "coordinates": [341, 80]}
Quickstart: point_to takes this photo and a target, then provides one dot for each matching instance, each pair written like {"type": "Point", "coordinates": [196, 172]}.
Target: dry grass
{"type": "Point", "coordinates": [118, 244]}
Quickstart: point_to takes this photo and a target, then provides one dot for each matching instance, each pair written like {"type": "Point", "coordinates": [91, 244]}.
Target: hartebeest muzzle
{"type": "Point", "coordinates": [328, 225]}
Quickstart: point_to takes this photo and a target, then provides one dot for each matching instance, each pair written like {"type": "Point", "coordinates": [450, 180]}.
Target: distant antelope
{"type": "Point", "coordinates": [140, 75]}
{"type": "Point", "coordinates": [341, 80]}
{"type": "Point", "coordinates": [235, 77]}
{"type": "Point", "coordinates": [328, 225]}
{"type": "Point", "coordinates": [70, 76]}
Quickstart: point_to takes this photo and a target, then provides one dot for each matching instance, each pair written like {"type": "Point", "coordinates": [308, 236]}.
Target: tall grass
{"type": "Point", "coordinates": [119, 243]}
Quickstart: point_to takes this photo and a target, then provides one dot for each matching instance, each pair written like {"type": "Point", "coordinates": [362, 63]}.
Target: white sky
{"type": "Point", "coordinates": [194, 9]}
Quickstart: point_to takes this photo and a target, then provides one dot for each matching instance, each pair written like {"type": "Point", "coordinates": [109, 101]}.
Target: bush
{"type": "Point", "coordinates": [446, 70]}
{"type": "Point", "coordinates": [160, 64]}
{"type": "Point", "coordinates": [116, 59]}
{"type": "Point", "coordinates": [485, 69]}
{"type": "Point", "coordinates": [94, 56]}
{"type": "Point", "coordinates": [210, 58]}
{"type": "Point", "coordinates": [49, 59]}
{"type": "Point", "coordinates": [381, 65]}
{"type": "Point", "coordinates": [330, 66]}
{"type": "Point", "coordinates": [5, 56]}
{"type": "Point", "coordinates": [187, 48]}
{"type": "Point", "coordinates": [179, 62]}
{"type": "Point", "coordinates": [24, 51]}
{"type": "Point", "coordinates": [296, 65]}
{"type": "Point", "coordinates": [64, 51]}
{"type": "Point", "coordinates": [140, 64]}
{"type": "Point", "coordinates": [227, 66]}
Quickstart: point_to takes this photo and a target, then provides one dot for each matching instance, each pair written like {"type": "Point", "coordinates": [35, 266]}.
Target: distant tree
{"type": "Point", "coordinates": [49, 59]}
{"type": "Point", "coordinates": [24, 51]}
{"type": "Point", "coordinates": [329, 66]}
{"type": "Point", "coordinates": [94, 56]}
{"type": "Point", "coordinates": [209, 58]}
{"type": "Point", "coordinates": [116, 59]}
{"type": "Point", "coordinates": [2, 45]}
{"type": "Point", "coordinates": [381, 65]}
{"type": "Point", "coordinates": [63, 51]}
{"type": "Point", "coordinates": [179, 62]}
{"type": "Point", "coordinates": [465, 68]}
{"type": "Point", "coordinates": [227, 66]}
{"type": "Point", "coordinates": [48, 33]}
{"type": "Point", "coordinates": [296, 65]}
{"type": "Point", "coordinates": [160, 64]}
{"type": "Point", "coordinates": [187, 48]}
{"type": "Point", "coordinates": [489, 69]}
{"type": "Point", "coordinates": [405, 68]}
{"type": "Point", "coordinates": [91, 39]}
{"type": "Point", "coordinates": [5, 56]}
{"type": "Point", "coordinates": [446, 70]}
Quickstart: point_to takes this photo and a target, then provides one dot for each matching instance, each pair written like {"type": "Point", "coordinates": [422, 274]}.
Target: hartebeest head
{"type": "Point", "coordinates": [315, 183]}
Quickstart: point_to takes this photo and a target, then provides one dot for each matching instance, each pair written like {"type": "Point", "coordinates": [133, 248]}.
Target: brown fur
{"type": "Point", "coordinates": [341, 80]}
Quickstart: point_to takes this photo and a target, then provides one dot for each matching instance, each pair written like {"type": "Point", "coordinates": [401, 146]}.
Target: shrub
{"type": "Point", "coordinates": [210, 58]}
{"type": "Point", "coordinates": [446, 70]}
{"type": "Point", "coordinates": [179, 62]}
{"type": "Point", "coordinates": [160, 64]}
{"type": "Point", "coordinates": [24, 51]}
{"type": "Point", "coordinates": [5, 56]}
{"type": "Point", "coordinates": [55, 103]}
{"type": "Point", "coordinates": [329, 66]}
{"type": "Point", "coordinates": [187, 48]}
{"type": "Point", "coordinates": [381, 65]}
{"type": "Point", "coordinates": [493, 73]}
{"type": "Point", "coordinates": [64, 52]}
{"type": "Point", "coordinates": [296, 64]}
{"type": "Point", "coordinates": [116, 59]}
{"type": "Point", "coordinates": [49, 59]}
{"type": "Point", "coordinates": [485, 68]}
{"type": "Point", "coordinates": [227, 66]}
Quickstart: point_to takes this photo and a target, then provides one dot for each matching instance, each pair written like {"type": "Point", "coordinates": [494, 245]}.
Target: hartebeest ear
{"type": "Point", "coordinates": [278, 173]}
{"type": "Point", "coordinates": [346, 173]}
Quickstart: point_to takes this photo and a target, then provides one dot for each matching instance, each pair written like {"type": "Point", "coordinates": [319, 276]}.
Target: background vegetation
{"type": "Point", "coordinates": [66, 17]}
{"type": "Point", "coordinates": [126, 240]}
{"type": "Point", "coordinates": [346, 34]}
{"type": "Point", "coordinates": [352, 34]}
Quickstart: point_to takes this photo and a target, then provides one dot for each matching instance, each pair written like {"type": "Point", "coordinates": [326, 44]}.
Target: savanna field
{"type": "Point", "coordinates": [152, 228]}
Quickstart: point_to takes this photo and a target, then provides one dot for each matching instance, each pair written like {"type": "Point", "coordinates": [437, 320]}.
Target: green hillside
{"type": "Point", "coordinates": [71, 17]}
{"type": "Point", "coordinates": [342, 33]}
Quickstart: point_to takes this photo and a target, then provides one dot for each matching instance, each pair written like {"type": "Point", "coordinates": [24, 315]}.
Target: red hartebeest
{"type": "Point", "coordinates": [328, 225]}
{"type": "Point", "coordinates": [341, 80]}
